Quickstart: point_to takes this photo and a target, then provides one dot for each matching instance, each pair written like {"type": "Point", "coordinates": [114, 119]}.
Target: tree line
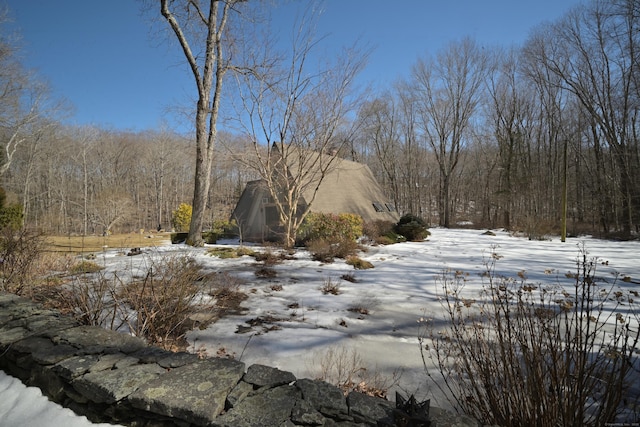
{"type": "Point", "coordinates": [493, 136]}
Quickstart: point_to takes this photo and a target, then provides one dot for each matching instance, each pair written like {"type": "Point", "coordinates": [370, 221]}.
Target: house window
{"type": "Point", "coordinates": [390, 207]}
{"type": "Point", "coordinates": [379, 207]}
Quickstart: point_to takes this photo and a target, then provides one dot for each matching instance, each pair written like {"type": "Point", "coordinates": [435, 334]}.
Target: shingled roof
{"type": "Point", "coordinates": [347, 187]}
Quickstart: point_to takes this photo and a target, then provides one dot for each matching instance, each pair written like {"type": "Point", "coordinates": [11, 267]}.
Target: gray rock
{"type": "Point", "coordinates": [195, 392]}
{"type": "Point", "coordinates": [74, 367]}
{"type": "Point", "coordinates": [11, 334]}
{"type": "Point", "coordinates": [270, 408]}
{"type": "Point", "coordinates": [304, 413]}
{"type": "Point", "coordinates": [175, 360]}
{"type": "Point", "coordinates": [48, 325]}
{"type": "Point", "coordinates": [325, 398]}
{"type": "Point", "coordinates": [53, 355]}
{"type": "Point", "coordinates": [370, 409]}
{"type": "Point", "coordinates": [108, 362]}
{"type": "Point", "coordinates": [239, 392]}
{"type": "Point", "coordinates": [441, 418]}
{"type": "Point", "coordinates": [113, 386]}
{"type": "Point", "coordinates": [94, 340]}
{"type": "Point", "coordinates": [31, 344]}
{"type": "Point", "coordinates": [151, 354]}
{"type": "Point", "coordinates": [266, 376]}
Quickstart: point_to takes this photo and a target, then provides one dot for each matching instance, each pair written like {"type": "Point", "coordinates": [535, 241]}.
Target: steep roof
{"type": "Point", "coordinates": [347, 187]}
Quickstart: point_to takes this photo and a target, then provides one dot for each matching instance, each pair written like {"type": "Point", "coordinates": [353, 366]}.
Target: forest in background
{"type": "Point", "coordinates": [486, 135]}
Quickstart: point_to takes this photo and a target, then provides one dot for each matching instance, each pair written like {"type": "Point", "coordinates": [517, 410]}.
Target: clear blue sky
{"type": "Point", "coordinates": [101, 55]}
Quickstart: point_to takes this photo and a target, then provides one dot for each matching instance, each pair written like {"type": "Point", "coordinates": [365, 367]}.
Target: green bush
{"type": "Point", "coordinates": [224, 228]}
{"type": "Point", "coordinates": [412, 227]}
{"type": "Point", "coordinates": [181, 217]}
{"type": "Point", "coordinates": [177, 238]}
{"type": "Point", "coordinates": [10, 215]}
{"type": "Point", "coordinates": [331, 227]}
{"type": "Point", "coordinates": [210, 237]}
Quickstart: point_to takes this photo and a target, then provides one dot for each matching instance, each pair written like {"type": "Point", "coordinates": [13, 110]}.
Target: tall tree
{"type": "Point", "coordinates": [448, 91]}
{"type": "Point", "coordinates": [292, 114]}
{"type": "Point", "coordinates": [203, 25]}
{"type": "Point", "coordinates": [594, 52]}
{"type": "Point", "coordinates": [22, 98]}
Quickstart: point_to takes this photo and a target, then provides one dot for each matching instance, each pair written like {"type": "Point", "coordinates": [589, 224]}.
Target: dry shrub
{"type": "Point", "coordinates": [226, 289]}
{"type": "Point", "coordinates": [534, 354]}
{"type": "Point", "coordinates": [266, 273]}
{"type": "Point", "coordinates": [382, 232]}
{"type": "Point", "coordinates": [358, 263]}
{"type": "Point", "coordinates": [91, 300]}
{"type": "Point", "coordinates": [345, 369]}
{"type": "Point", "coordinates": [324, 250]}
{"type": "Point", "coordinates": [224, 252]}
{"type": "Point", "coordinates": [84, 267]}
{"type": "Point", "coordinates": [164, 300]}
{"type": "Point", "coordinates": [20, 252]}
{"type": "Point", "coordinates": [269, 257]}
{"type": "Point", "coordinates": [330, 287]}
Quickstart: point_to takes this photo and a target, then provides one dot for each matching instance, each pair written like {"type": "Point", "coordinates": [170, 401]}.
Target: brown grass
{"type": "Point", "coordinates": [83, 244]}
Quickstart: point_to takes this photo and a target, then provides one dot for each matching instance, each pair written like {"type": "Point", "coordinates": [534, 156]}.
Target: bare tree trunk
{"type": "Point", "coordinates": [208, 77]}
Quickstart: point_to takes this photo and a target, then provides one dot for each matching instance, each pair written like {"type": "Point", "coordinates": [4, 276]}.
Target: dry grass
{"type": "Point", "coordinates": [345, 368]}
{"type": "Point", "coordinates": [84, 244]}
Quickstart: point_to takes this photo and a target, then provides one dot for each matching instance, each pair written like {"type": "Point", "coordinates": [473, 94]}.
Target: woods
{"type": "Point", "coordinates": [474, 134]}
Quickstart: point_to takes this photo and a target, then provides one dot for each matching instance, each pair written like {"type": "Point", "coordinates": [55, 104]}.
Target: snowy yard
{"type": "Point", "coordinates": [289, 323]}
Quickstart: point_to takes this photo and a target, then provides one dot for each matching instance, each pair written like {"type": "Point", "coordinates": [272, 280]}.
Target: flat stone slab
{"type": "Point", "coordinates": [324, 397]}
{"type": "Point", "coordinates": [271, 407]}
{"type": "Point", "coordinates": [363, 407]}
{"type": "Point", "coordinates": [266, 376]}
{"type": "Point", "coordinates": [113, 386]}
{"type": "Point", "coordinates": [195, 392]}
{"type": "Point", "coordinates": [74, 367]}
{"type": "Point", "coordinates": [94, 340]}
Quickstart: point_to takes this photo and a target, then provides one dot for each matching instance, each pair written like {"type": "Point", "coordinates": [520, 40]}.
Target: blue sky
{"type": "Point", "coordinates": [102, 56]}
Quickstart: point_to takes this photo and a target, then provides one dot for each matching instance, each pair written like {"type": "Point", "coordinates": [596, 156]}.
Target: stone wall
{"type": "Point", "coordinates": [117, 378]}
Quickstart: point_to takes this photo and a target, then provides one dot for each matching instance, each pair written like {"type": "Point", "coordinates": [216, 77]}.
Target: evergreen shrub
{"type": "Point", "coordinates": [412, 227]}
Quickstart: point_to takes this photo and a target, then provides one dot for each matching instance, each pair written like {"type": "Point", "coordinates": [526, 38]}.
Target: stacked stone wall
{"type": "Point", "coordinates": [116, 378]}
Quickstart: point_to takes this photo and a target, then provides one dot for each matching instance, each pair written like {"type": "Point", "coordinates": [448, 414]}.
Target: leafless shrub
{"type": "Point", "coordinates": [270, 257]}
{"type": "Point", "coordinates": [534, 354]}
{"type": "Point", "coordinates": [20, 251]}
{"type": "Point", "coordinates": [329, 286]}
{"type": "Point", "coordinates": [90, 300]}
{"type": "Point", "coordinates": [326, 251]}
{"type": "Point", "coordinates": [164, 300]}
{"type": "Point", "coordinates": [266, 273]}
{"type": "Point", "coordinates": [345, 369]}
{"type": "Point", "coordinates": [226, 289]}
{"type": "Point", "coordinates": [349, 277]}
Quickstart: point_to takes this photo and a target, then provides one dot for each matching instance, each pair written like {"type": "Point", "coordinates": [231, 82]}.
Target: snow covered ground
{"type": "Point", "coordinates": [290, 323]}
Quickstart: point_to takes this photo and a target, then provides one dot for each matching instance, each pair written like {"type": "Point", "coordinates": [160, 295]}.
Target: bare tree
{"type": "Point", "coordinates": [593, 52]}
{"type": "Point", "coordinates": [203, 31]}
{"type": "Point", "coordinates": [22, 99]}
{"type": "Point", "coordinates": [448, 92]}
{"type": "Point", "coordinates": [380, 130]}
{"type": "Point", "coordinates": [293, 115]}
